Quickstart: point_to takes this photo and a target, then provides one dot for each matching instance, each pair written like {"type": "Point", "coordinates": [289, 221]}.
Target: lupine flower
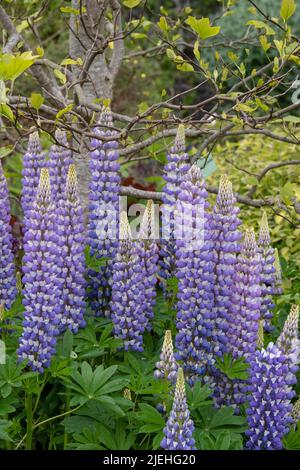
{"type": "Point", "coordinates": [242, 335]}
{"type": "Point", "coordinates": [174, 173]}
{"type": "Point", "coordinates": [195, 256]}
{"type": "Point", "coordinates": [8, 289]}
{"type": "Point", "coordinates": [167, 367]}
{"type": "Point", "coordinates": [148, 252]}
{"type": "Point", "coordinates": [278, 274]}
{"type": "Point", "coordinates": [288, 341]}
{"type": "Point", "coordinates": [60, 158]}
{"type": "Point", "coordinates": [42, 280]}
{"type": "Point", "coordinates": [227, 236]}
{"type": "Point", "coordinates": [267, 274]}
{"type": "Point", "coordinates": [33, 162]}
{"type": "Point", "coordinates": [104, 211]}
{"type": "Point", "coordinates": [178, 433]}
{"type": "Point", "coordinates": [71, 232]}
{"type": "Point", "coordinates": [128, 297]}
{"type": "Point", "coordinates": [296, 411]}
{"type": "Point", "coordinates": [270, 393]}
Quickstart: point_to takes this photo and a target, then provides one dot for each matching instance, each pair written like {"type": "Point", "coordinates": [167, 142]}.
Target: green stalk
{"type": "Point", "coordinates": [29, 420]}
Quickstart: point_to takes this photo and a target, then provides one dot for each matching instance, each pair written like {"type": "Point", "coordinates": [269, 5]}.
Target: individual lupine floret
{"type": "Point", "coordinates": [195, 262]}
{"type": "Point", "coordinates": [167, 367]}
{"type": "Point", "coordinates": [270, 394]}
{"type": "Point", "coordinates": [128, 301]}
{"type": "Point", "coordinates": [103, 210]}
{"type": "Point", "coordinates": [173, 173]}
{"type": "Point", "coordinates": [267, 274]}
{"type": "Point", "coordinates": [33, 162]}
{"type": "Point", "coordinates": [296, 411]}
{"type": "Point", "coordinates": [178, 433]}
{"type": "Point", "coordinates": [288, 340]}
{"type": "Point", "coordinates": [148, 251]}
{"type": "Point", "coordinates": [42, 280]}
{"type": "Point", "coordinates": [71, 232]}
{"type": "Point", "coordinates": [8, 290]}
{"type": "Point", "coordinates": [60, 158]}
{"type": "Point", "coordinates": [227, 236]}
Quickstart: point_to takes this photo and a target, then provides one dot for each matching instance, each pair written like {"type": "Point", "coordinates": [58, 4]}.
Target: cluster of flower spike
{"type": "Point", "coordinates": [42, 280]}
{"type": "Point", "coordinates": [174, 174]}
{"type": "Point", "coordinates": [178, 433]}
{"type": "Point", "coordinates": [8, 289]}
{"type": "Point", "coordinates": [103, 210]}
{"type": "Point", "coordinates": [195, 257]}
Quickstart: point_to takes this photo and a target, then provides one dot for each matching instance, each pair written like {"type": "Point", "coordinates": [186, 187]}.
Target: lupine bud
{"type": "Point", "coordinates": [178, 433]}
{"type": "Point", "coordinates": [195, 271]}
{"type": "Point", "coordinates": [71, 231]}
{"type": "Point", "coordinates": [148, 252]}
{"type": "Point", "coordinates": [60, 158]}
{"type": "Point", "coordinates": [8, 289]}
{"type": "Point", "coordinates": [227, 236]}
{"type": "Point", "coordinates": [288, 341]}
{"type": "Point", "coordinates": [174, 173]}
{"type": "Point", "coordinates": [270, 394]}
{"type": "Point", "coordinates": [104, 210]}
{"type": "Point", "coordinates": [33, 162]}
{"type": "Point", "coordinates": [167, 367]}
{"type": "Point", "coordinates": [42, 280]}
{"type": "Point", "coordinates": [267, 274]}
{"type": "Point", "coordinates": [296, 411]}
{"type": "Point", "coordinates": [128, 297]}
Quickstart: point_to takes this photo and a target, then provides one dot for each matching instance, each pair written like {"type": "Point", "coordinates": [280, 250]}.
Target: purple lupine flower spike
{"type": "Point", "coordinates": [33, 162]}
{"type": "Point", "coordinates": [70, 222]}
{"type": "Point", "coordinates": [128, 300]}
{"type": "Point", "coordinates": [167, 367]}
{"type": "Point", "coordinates": [270, 392]}
{"type": "Point", "coordinates": [42, 278]}
{"type": "Point", "coordinates": [268, 273]}
{"type": "Point", "coordinates": [174, 173]}
{"type": "Point", "coordinates": [178, 433]}
{"type": "Point", "coordinates": [60, 158]}
{"type": "Point", "coordinates": [8, 290]}
{"type": "Point", "coordinates": [195, 271]}
{"type": "Point", "coordinates": [288, 340]}
{"type": "Point", "coordinates": [148, 251]}
{"type": "Point", "coordinates": [242, 335]}
{"type": "Point", "coordinates": [103, 210]}
{"type": "Point", "coordinates": [227, 237]}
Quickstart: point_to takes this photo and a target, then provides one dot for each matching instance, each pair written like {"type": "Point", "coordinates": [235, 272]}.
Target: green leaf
{"type": "Point", "coordinates": [6, 111]}
{"type": "Point", "coordinates": [202, 27]}
{"type": "Point", "coordinates": [4, 425]}
{"type": "Point", "coordinates": [163, 25]}
{"type": "Point", "coordinates": [288, 8]}
{"type": "Point", "coordinates": [36, 100]}
{"type": "Point", "coordinates": [61, 76]}
{"type": "Point", "coordinates": [292, 440]}
{"type": "Point", "coordinates": [131, 3]}
{"type": "Point", "coordinates": [64, 111]}
{"type": "Point", "coordinates": [70, 10]}
{"type": "Point", "coordinates": [185, 67]}
{"type": "Point", "coordinates": [149, 415]}
{"type": "Point", "coordinates": [234, 369]}
{"type": "Point", "coordinates": [261, 25]}
{"type": "Point", "coordinates": [12, 66]}
{"type": "Point", "coordinates": [287, 192]}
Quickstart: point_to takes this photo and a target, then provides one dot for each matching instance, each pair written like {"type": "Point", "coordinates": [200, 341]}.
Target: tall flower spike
{"type": "Point", "coordinates": [268, 280]}
{"type": "Point", "coordinates": [244, 318]}
{"type": "Point", "coordinates": [148, 252]}
{"type": "Point", "coordinates": [167, 367]}
{"type": "Point", "coordinates": [42, 280]}
{"type": "Point", "coordinates": [173, 174]}
{"type": "Point", "coordinates": [8, 289]}
{"type": "Point", "coordinates": [195, 262]}
{"type": "Point", "coordinates": [128, 301]}
{"type": "Point", "coordinates": [227, 236]}
{"type": "Point", "coordinates": [288, 341]}
{"type": "Point", "coordinates": [60, 158]}
{"type": "Point", "coordinates": [33, 162]}
{"type": "Point", "coordinates": [269, 412]}
{"type": "Point", "coordinates": [178, 433]}
{"type": "Point", "coordinates": [72, 240]}
{"type": "Point", "coordinates": [104, 210]}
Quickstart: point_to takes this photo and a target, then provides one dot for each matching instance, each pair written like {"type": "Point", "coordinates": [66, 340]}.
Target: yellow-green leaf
{"type": "Point", "coordinates": [36, 100]}
{"type": "Point", "coordinates": [131, 3]}
{"type": "Point", "coordinates": [163, 25]}
{"type": "Point", "coordinates": [171, 54]}
{"type": "Point", "coordinates": [186, 67]}
{"type": "Point", "coordinates": [288, 8]}
{"type": "Point", "coordinates": [11, 66]}
{"type": "Point", "coordinates": [261, 25]}
{"type": "Point", "coordinates": [70, 10]}
{"type": "Point", "coordinates": [202, 27]}
{"type": "Point", "coordinates": [68, 61]}
{"type": "Point", "coordinates": [196, 51]}
{"type": "Point", "coordinates": [264, 42]}
{"type": "Point", "coordinates": [61, 76]}
{"type": "Point", "coordinates": [64, 111]}
{"type": "Point", "coordinates": [245, 108]}
{"type": "Point", "coordinates": [6, 111]}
